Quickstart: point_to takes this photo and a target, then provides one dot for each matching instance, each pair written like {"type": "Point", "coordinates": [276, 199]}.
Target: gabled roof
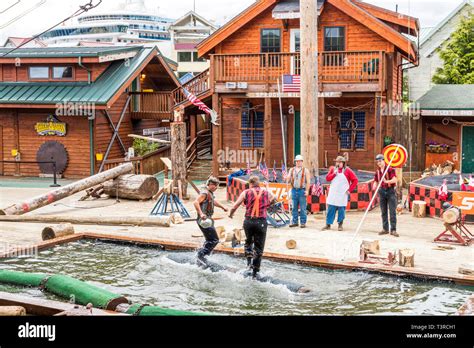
{"type": "Point", "coordinates": [102, 92]}
{"type": "Point", "coordinates": [193, 14]}
{"type": "Point", "coordinates": [64, 52]}
{"type": "Point", "coordinates": [17, 41]}
{"type": "Point", "coordinates": [349, 7]}
{"type": "Point", "coordinates": [448, 97]}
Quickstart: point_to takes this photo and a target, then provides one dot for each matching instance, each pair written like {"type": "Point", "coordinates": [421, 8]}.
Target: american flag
{"type": "Point", "coordinates": [317, 188]}
{"type": "Point", "coordinates": [249, 170]}
{"type": "Point", "coordinates": [264, 170]}
{"type": "Point", "coordinates": [201, 106]}
{"type": "Point", "coordinates": [291, 83]}
{"type": "Point", "coordinates": [284, 173]}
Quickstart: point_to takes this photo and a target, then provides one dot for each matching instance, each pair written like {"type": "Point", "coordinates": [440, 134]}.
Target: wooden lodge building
{"type": "Point", "coordinates": [64, 103]}
{"type": "Point", "coordinates": [361, 53]}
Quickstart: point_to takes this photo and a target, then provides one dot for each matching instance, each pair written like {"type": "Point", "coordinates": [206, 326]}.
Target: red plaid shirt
{"type": "Point", "coordinates": [250, 202]}
{"type": "Point", "coordinates": [390, 175]}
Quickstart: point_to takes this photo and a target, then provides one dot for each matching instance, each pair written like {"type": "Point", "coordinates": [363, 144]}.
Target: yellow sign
{"type": "Point", "coordinates": [52, 126]}
{"type": "Point", "coordinates": [464, 201]}
{"type": "Point", "coordinates": [280, 191]}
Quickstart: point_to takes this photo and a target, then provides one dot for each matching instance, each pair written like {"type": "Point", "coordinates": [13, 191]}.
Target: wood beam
{"type": "Point", "coordinates": [268, 130]}
{"type": "Point", "coordinates": [215, 136]}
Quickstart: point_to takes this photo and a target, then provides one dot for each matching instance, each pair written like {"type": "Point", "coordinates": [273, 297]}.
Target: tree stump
{"type": "Point", "coordinates": [419, 209]}
{"type": "Point", "coordinates": [406, 257]}
{"type": "Point", "coordinates": [371, 247]}
{"type": "Point", "coordinates": [451, 216]}
{"type": "Point", "coordinates": [239, 234]}
{"type": "Point", "coordinates": [52, 232]}
{"type": "Point", "coordinates": [133, 187]}
{"type": "Point", "coordinates": [291, 244]}
{"type": "Point", "coordinates": [179, 160]}
{"type": "Point", "coordinates": [12, 311]}
{"type": "Point", "coordinates": [177, 219]}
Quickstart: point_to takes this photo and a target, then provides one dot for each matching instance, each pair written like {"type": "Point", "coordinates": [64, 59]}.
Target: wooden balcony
{"type": "Point", "coordinates": [200, 86]}
{"type": "Point", "coordinates": [338, 71]}
{"type": "Point", "coordinates": [152, 106]}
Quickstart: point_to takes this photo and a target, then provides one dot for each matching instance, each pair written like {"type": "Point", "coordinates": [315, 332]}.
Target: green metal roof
{"type": "Point", "coordinates": [65, 52]}
{"type": "Point", "coordinates": [448, 97]}
{"type": "Point", "coordinates": [98, 92]}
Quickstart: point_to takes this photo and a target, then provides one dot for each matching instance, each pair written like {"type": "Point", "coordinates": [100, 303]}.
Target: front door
{"type": "Point", "coordinates": [468, 149]}
{"type": "Point", "coordinates": [297, 134]}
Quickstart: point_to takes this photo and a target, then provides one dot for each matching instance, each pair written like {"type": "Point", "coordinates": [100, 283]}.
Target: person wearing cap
{"type": "Point", "coordinates": [204, 205]}
{"type": "Point", "coordinates": [257, 200]}
{"type": "Point", "coordinates": [300, 179]}
{"type": "Point", "coordinates": [387, 195]}
{"type": "Point", "coordinates": [343, 182]}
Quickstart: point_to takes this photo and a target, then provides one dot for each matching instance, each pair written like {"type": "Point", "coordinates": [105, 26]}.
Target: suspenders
{"type": "Point", "coordinates": [256, 204]}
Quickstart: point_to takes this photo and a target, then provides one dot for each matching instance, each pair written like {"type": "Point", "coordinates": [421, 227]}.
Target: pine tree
{"type": "Point", "coordinates": [458, 56]}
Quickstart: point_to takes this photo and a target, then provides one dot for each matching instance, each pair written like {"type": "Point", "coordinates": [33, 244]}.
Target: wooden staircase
{"type": "Point", "coordinates": [200, 170]}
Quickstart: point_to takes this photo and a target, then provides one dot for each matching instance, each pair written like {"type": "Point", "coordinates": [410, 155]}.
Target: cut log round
{"type": "Point", "coordinates": [66, 191]}
{"type": "Point", "coordinates": [371, 247]}
{"type": "Point", "coordinates": [239, 234]}
{"type": "Point", "coordinates": [229, 237]}
{"type": "Point", "coordinates": [12, 311]}
{"type": "Point", "coordinates": [220, 232]}
{"type": "Point", "coordinates": [419, 209]}
{"type": "Point", "coordinates": [291, 244]}
{"type": "Point", "coordinates": [177, 219]}
{"type": "Point", "coordinates": [133, 187]}
{"type": "Point", "coordinates": [466, 269]}
{"type": "Point", "coordinates": [451, 216]}
{"type": "Point", "coordinates": [406, 257]}
{"type": "Point", "coordinates": [52, 232]}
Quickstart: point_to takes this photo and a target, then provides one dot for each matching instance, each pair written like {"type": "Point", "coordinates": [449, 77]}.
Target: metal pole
{"type": "Point", "coordinates": [55, 183]}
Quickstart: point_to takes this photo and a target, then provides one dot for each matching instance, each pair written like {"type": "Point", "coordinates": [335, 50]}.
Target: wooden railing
{"type": "Point", "coordinates": [202, 141]}
{"type": "Point", "coordinates": [149, 164]}
{"type": "Point", "coordinates": [350, 67]}
{"type": "Point", "coordinates": [198, 85]}
{"type": "Point", "coordinates": [155, 103]}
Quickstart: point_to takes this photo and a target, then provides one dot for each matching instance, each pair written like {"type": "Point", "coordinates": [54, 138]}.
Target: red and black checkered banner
{"type": "Point", "coordinates": [434, 206]}
{"type": "Point", "coordinates": [359, 199]}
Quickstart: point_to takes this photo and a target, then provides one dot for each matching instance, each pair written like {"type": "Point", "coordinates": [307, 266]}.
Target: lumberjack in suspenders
{"type": "Point", "coordinates": [257, 200]}
{"type": "Point", "coordinates": [300, 179]}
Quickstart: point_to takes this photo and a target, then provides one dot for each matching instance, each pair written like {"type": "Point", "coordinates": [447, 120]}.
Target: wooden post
{"type": "Point", "coordinates": [419, 209]}
{"type": "Point", "coordinates": [399, 172]}
{"type": "Point", "coordinates": [309, 83]}
{"type": "Point", "coordinates": [178, 153]}
{"type": "Point", "coordinates": [215, 138]}
{"type": "Point", "coordinates": [268, 130]}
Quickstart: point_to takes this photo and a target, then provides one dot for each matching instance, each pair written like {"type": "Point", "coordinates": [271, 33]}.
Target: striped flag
{"type": "Point", "coordinates": [201, 106]}
{"type": "Point", "coordinates": [264, 170]}
{"type": "Point", "coordinates": [284, 173]}
{"type": "Point", "coordinates": [249, 170]}
{"type": "Point", "coordinates": [291, 83]}
{"type": "Point", "coordinates": [317, 188]}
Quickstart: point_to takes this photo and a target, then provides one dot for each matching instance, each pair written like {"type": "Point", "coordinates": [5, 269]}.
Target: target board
{"type": "Point", "coordinates": [399, 154]}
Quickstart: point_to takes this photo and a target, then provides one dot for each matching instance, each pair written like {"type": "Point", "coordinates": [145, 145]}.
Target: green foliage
{"type": "Point", "coordinates": [458, 56]}
{"type": "Point", "coordinates": [144, 147]}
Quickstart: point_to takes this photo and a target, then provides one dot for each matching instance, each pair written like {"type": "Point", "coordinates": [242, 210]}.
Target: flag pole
{"type": "Point", "coordinates": [284, 142]}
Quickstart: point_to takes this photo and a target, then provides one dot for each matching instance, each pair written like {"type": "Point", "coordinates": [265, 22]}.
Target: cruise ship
{"type": "Point", "coordinates": [132, 23]}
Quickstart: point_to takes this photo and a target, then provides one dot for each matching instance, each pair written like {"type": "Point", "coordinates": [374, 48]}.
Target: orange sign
{"type": "Point", "coordinates": [280, 191]}
{"type": "Point", "coordinates": [464, 201]}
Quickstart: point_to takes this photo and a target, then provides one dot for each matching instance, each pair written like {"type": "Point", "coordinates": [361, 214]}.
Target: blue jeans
{"type": "Point", "coordinates": [299, 200]}
{"type": "Point", "coordinates": [331, 214]}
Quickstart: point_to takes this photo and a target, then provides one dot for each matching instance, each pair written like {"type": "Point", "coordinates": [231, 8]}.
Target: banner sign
{"type": "Point", "coordinates": [464, 201]}
{"type": "Point", "coordinates": [52, 126]}
{"type": "Point", "coordinates": [280, 191]}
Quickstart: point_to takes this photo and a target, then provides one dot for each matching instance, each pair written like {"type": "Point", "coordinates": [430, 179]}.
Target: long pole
{"type": "Point", "coordinates": [371, 201]}
{"type": "Point", "coordinates": [283, 133]}
{"type": "Point", "coordinates": [309, 83]}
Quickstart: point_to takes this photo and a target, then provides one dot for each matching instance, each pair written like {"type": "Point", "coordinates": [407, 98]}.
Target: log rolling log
{"type": "Point", "coordinates": [66, 191]}
{"type": "Point", "coordinates": [161, 221]}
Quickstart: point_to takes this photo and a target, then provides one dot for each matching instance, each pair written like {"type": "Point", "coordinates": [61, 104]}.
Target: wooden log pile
{"type": "Point", "coordinates": [445, 168]}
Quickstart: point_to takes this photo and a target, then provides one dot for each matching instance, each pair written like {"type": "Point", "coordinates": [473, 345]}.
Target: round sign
{"type": "Point", "coordinates": [398, 153]}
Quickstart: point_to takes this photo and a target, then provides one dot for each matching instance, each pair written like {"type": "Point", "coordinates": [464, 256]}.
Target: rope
{"type": "Point", "coordinates": [448, 120]}
{"type": "Point", "coordinates": [369, 104]}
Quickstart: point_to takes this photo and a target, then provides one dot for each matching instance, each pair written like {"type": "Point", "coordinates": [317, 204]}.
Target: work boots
{"type": "Point", "coordinates": [340, 228]}
{"type": "Point", "coordinates": [326, 228]}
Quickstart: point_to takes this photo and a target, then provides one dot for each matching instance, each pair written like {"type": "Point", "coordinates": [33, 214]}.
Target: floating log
{"type": "Point", "coordinates": [57, 231]}
{"type": "Point", "coordinates": [466, 270]}
{"type": "Point", "coordinates": [406, 257]}
{"type": "Point", "coordinates": [66, 191]}
{"type": "Point", "coordinates": [419, 209]}
{"type": "Point", "coordinates": [371, 247]}
{"type": "Point", "coordinates": [291, 244]}
{"type": "Point", "coordinates": [161, 221]}
{"type": "Point", "coordinates": [12, 311]}
{"type": "Point", "coordinates": [133, 187]}
{"type": "Point", "coordinates": [451, 216]}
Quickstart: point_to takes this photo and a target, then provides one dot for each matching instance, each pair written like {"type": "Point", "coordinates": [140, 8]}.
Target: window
{"type": "Point", "coordinates": [197, 59]}
{"type": "Point", "coordinates": [334, 39]}
{"type": "Point", "coordinates": [38, 72]}
{"type": "Point", "coordinates": [251, 130]}
{"type": "Point", "coordinates": [270, 42]}
{"type": "Point", "coordinates": [352, 135]}
{"type": "Point", "coordinates": [62, 72]}
{"type": "Point", "coordinates": [184, 56]}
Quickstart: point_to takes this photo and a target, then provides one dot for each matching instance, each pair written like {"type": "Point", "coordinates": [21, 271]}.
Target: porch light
{"type": "Point", "coordinates": [14, 152]}
{"type": "Point", "coordinates": [143, 76]}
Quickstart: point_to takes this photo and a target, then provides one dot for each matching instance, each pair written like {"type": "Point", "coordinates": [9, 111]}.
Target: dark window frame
{"type": "Point", "coordinates": [251, 130]}
{"type": "Point", "coordinates": [344, 41]}
{"type": "Point", "coordinates": [344, 128]}
{"type": "Point", "coordinates": [185, 61]}
{"type": "Point", "coordinates": [62, 78]}
{"type": "Point", "coordinates": [275, 61]}
{"type": "Point", "coordinates": [39, 78]}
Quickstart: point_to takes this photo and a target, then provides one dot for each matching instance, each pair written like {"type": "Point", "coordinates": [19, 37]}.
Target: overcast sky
{"type": "Point", "coordinates": [430, 12]}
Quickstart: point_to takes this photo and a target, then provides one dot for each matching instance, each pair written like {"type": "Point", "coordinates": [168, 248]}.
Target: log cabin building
{"type": "Point", "coordinates": [362, 49]}
{"type": "Point", "coordinates": [64, 103]}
